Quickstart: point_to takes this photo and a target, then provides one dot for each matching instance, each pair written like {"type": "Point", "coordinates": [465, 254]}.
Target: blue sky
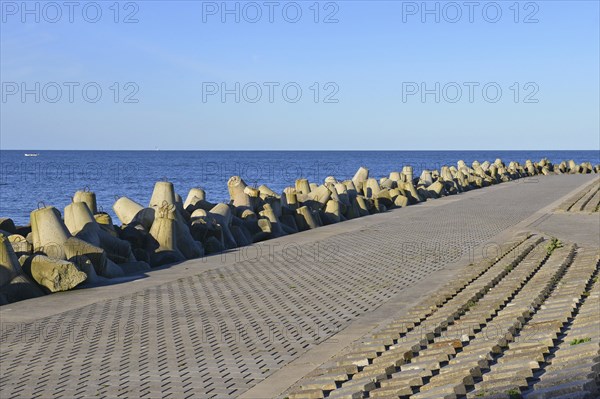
{"type": "Point", "coordinates": [361, 78]}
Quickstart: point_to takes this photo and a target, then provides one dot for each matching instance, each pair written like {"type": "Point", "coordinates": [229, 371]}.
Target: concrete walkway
{"type": "Point", "coordinates": [221, 326]}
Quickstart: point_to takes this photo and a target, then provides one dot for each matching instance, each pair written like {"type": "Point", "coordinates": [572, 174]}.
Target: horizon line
{"type": "Point", "coordinates": [290, 150]}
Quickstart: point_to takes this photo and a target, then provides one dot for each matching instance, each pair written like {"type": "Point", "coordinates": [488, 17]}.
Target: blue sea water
{"type": "Point", "coordinates": [53, 177]}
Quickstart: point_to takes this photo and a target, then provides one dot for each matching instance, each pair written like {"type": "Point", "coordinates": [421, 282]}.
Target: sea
{"type": "Point", "coordinates": [52, 177]}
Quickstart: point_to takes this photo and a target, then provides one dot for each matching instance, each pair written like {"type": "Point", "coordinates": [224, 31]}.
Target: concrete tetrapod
{"type": "Point", "coordinates": [318, 197]}
{"type": "Point", "coordinates": [385, 182]}
{"type": "Point", "coordinates": [330, 180]}
{"type": "Point", "coordinates": [276, 225]}
{"type": "Point", "coordinates": [204, 226]}
{"type": "Point", "coordinates": [195, 195]}
{"type": "Point", "coordinates": [426, 178]}
{"type": "Point", "coordinates": [239, 198]}
{"type": "Point", "coordinates": [84, 264]}
{"type": "Point", "coordinates": [163, 249]}
{"type": "Point", "coordinates": [446, 174]}
{"type": "Point", "coordinates": [83, 225]}
{"type": "Point", "coordinates": [18, 289]}
{"type": "Point", "coordinates": [409, 187]}
{"type": "Point", "coordinates": [179, 204]}
{"type": "Point", "coordinates": [332, 191]}
{"type": "Point", "coordinates": [54, 274]}
{"type": "Point", "coordinates": [267, 192]}
{"type": "Point", "coordinates": [363, 208]}
{"type": "Point", "coordinates": [289, 198]}
{"type": "Point", "coordinates": [254, 195]}
{"type": "Point", "coordinates": [275, 204]}
{"type": "Point", "coordinates": [462, 181]}
{"type": "Point", "coordinates": [352, 211]}
{"type": "Point", "coordinates": [105, 221]}
{"type": "Point", "coordinates": [78, 216]}
{"type": "Point", "coordinates": [186, 244]}
{"type": "Point", "coordinates": [342, 193]}
{"type": "Point", "coordinates": [305, 219]}
{"type": "Point", "coordinates": [14, 284]}
{"type": "Point", "coordinates": [20, 244]}
{"type": "Point", "coordinates": [75, 247]}
{"type": "Point", "coordinates": [221, 213]}
{"type": "Point", "coordinates": [163, 192]}
{"type": "Point", "coordinates": [9, 263]}
{"type": "Point", "coordinates": [361, 176]}
{"type": "Point", "coordinates": [572, 166]}
{"type": "Point", "coordinates": [302, 186]}
{"type": "Point", "coordinates": [350, 188]}
{"type": "Point", "coordinates": [253, 228]}
{"type": "Point", "coordinates": [562, 167]}
{"type": "Point", "coordinates": [89, 197]}
{"type": "Point", "coordinates": [332, 212]}
{"type": "Point", "coordinates": [7, 225]}
{"type": "Point", "coordinates": [493, 171]}
{"type": "Point", "coordinates": [49, 232]}
{"type": "Point", "coordinates": [436, 188]}
{"type": "Point", "coordinates": [265, 225]}
{"type": "Point", "coordinates": [399, 197]}
{"type": "Point", "coordinates": [130, 212]}
{"type": "Point", "coordinates": [407, 172]}
{"type": "Point", "coordinates": [396, 177]}
{"type": "Point", "coordinates": [371, 188]}
{"type": "Point", "coordinates": [165, 202]}
{"type": "Point", "coordinates": [384, 197]}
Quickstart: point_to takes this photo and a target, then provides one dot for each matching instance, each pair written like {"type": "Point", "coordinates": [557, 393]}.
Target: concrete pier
{"type": "Point", "coordinates": [254, 321]}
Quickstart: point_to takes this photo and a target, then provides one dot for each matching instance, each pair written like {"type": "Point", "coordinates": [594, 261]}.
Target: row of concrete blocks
{"type": "Point", "coordinates": [455, 345]}
{"type": "Point", "coordinates": [403, 338]}
{"type": "Point", "coordinates": [256, 214]}
{"type": "Point", "coordinates": [587, 200]}
{"type": "Point", "coordinates": [460, 373]}
{"type": "Point", "coordinates": [518, 367]}
{"type": "Point", "coordinates": [85, 246]}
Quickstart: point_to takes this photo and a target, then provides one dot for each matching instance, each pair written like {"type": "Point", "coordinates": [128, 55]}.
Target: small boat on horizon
{"type": "Point", "coordinates": [31, 154]}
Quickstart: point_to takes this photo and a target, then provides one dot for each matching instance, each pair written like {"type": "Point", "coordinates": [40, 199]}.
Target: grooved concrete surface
{"type": "Point", "coordinates": [217, 333]}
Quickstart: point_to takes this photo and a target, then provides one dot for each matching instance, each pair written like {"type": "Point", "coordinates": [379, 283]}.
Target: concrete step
{"type": "Point", "coordinates": [450, 391]}
{"type": "Point", "coordinates": [508, 320]}
{"type": "Point", "coordinates": [567, 375]}
{"type": "Point", "coordinates": [307, 394]}
{"type": "Point", "coordinates": [571, 361]}
{"type": "Point", "coordinates": [401, 390]}
{"type": "Point", "coordinates": [503, 383]}
{"type": "Point", "coordinates": [569, 389]}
